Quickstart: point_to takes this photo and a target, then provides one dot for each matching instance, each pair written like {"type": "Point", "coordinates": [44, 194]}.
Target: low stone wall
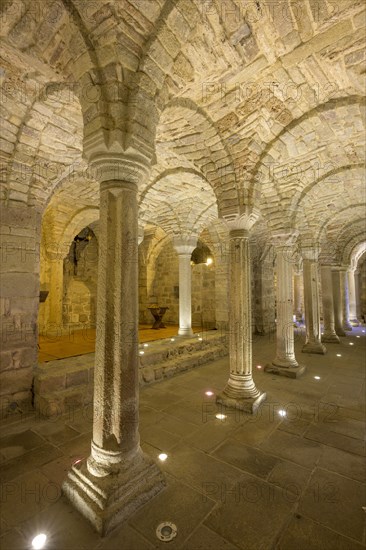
{"type": "Point", "coordinates": [67, 384]}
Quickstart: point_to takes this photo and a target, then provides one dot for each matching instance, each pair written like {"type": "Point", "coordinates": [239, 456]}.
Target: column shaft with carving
{"type": "Point", "coordinates": [329, 333]}
{"type": "Point", "coordinates": [285, 361]}
{"type": "Point", "coordinates": [345, 299]}
{"type": "Point", "coordinates": [298, 296]}
{"type": "Point", "coordinates": [240, 391]}
{"type": "Point", "coordinates": [117, 477]}
{"type": "Point", "coordinates": [312, 304]}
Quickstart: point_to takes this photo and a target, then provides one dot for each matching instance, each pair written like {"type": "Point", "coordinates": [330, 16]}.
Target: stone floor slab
{"type": "Point", "coordinates": [253, 461]}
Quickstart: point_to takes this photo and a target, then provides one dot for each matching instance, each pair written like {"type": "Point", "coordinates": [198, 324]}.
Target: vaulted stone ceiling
{"type": "Point", "coordinates": [235, 103]}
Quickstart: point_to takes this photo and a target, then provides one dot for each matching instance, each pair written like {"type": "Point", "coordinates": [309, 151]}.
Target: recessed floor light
{"type": "Point", "coordinates": [363, 331]}
{"type": "Point", "coordinates": [317, 377]}
{"type": "Point", "coordinates": [172, 339]}
{"type": "Point", "coordinates": [200, 338]}
{"type": "Point", "coordinates": [146, 345]}
{"type": "Point", "coordinates": [209, 393]}
{"type": "Point", "coordinates": [339, 355]}
{"type": "Point", "coordinates": [163, 457]}
{"type": "Point", "coordinates": [220, 416]}
{"type": "Point", "coordinates": [358, 336]}
{"type": "Point", "coordinates": [351, 344]}
{"type": "Point", "coordinates": [142, 352]}
{"type": "Point", "coordinates": [282, 412]}
{"type": "Point", "coordinates": [39, 541]}
{"type": "Point", "coordinates": [259, 366]}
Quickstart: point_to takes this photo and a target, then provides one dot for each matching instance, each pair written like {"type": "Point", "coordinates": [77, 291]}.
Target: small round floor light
{"type": "Point", "coordinates": [39, 541]}
{"type": "Point", "coordinates": [166, 531]}
{"type": "Point", "coordinates": [163, 457]}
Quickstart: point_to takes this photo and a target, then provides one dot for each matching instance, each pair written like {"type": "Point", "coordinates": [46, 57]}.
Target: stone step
{"type": "Point", "coordinates": [68, 383]}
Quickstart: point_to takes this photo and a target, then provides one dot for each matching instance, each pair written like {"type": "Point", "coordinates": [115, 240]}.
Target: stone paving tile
{"type": "Point", "coordinates": [14, 540]}
{"type": "Point", "coordinates": [56, 433]}
{"type": "Point", "coordinates": [26, 496]}
{"type": "Point", "coordinates": [253, 516]}
{"type": "Point", "coordinates": [124, 537]}
{"type": "Point", "coordinates": [28, 462]}
{"type": "Point", "coordinates": [344, 463]}
{"type": "Point", "coordinates": [335, 502]}
{"type": "Point", "coordinates": [200, 470]}
{"type": "Point", "coordinates": [205, 539]}
{"type": "Point", "coordinates": [159, 438]}
{"type": "Point", "coordinates": [66, 528]}
{"type": "Point", "coordinates": [175, 426]}
{"type": "Point", "coordinates": [253, 461]}
{"type": "Point", "coordinates": [290, 477]}
{"type": "Point", "coordinates": [210, 435]}
{"type": "Point", "coordinates": [292, 447]}
{"type": "Point", "coordinates": [159, 399]}
{"type": "Point", "coordinates": [178, 503]}
{"type": "Point", "coordinates": [324, 435]}
{"type": "Point", "coordinates": [304, 533]}
{"type": "Point", "coordinates": [17, 444]}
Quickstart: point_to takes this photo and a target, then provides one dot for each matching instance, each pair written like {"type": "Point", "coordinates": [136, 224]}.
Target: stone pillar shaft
{"type": "Point", "coordinates": [116, 357]}
{"type": "Point", "coordinates": [55, 297]}
{"type": "Point", "coordinates": [345, 299]}
{"type": "Point", "coordinates": [329, 333]}
{"type": "Point", "coordinates": [240, 391]}
{"type": "Point", "coordinates": [311, 298]}
{"type": "Point", "coordinates": [185, 295]}
{"type": "Point", "coordinates": [352, 297]}
{"type": "Point", "coordinates": [298, 307]}
{"type": "Point", "coordinates": [118, 477]}
{"type": "Point", "coordinates": [357, 295]}
{"type": "Point", "coordinates": [337, 300]}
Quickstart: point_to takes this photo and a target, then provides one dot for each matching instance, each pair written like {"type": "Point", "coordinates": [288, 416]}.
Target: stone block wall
{"type": "Point", "coordinates": [362, 290]}
{"type": "Point", "coordinates": [19, 301]}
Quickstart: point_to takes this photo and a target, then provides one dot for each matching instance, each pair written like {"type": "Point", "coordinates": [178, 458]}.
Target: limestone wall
{"type": "Point", "coordinates": [362, 279]}
{"type": "Point", "coordinates": [19, 300]}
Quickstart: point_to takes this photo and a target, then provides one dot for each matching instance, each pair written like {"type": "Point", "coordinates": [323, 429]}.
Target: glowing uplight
{"type": "Point", "coordinates": [209, 393]}
{"type": "Point", "coordinates": [142, 352]}
{"type": "Point", "coordinates": [358, 336]}
{"type": "Point", "coordinates": [209, 261]}
{"type": "Point", "coordinates": [259, 366]}
{"type": "Point", "coordinates": [200, 338]}
{"type": "Point", "coordinates": [282, 412]}
{"type": "Point", "coordinates": [146, 345]}
{"type": "Point", "coordinates": [39, 541]}
{"type": "Point", "coordinates": [339, 355]}
{"type": "Point", "coordinates": [163, 457]}
{"type": "Point", "coordinates": [351, 344]}
{"type": "Point", "coordinates": [220, 416]}
{"type": "Point", "coordinates": [172, 339]}
{"type": "Point", "coordinates": [363, 331]}
{"type": "Point", "coordinates": [317, 377]}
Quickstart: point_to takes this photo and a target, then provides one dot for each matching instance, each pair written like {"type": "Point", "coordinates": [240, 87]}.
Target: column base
{"type": "Point", "coordinates": [289, 372]}
{"type": "Point", "coordinates": [107, 501]}
{"type": "Point", "coordinates": [347, 327]}
{"type": "Point", "coordinates": [330, 338]}
{"type": "Point", "coordinates": [354, 322]}
{"type": "Point", "coordinates": [185, 332]}
{"type": "Point", "coordinates": [314, 347]}
{"type": "Point", "coordinates": [246, 404]}
{"type": "Point", "coordinates": [340, 332]}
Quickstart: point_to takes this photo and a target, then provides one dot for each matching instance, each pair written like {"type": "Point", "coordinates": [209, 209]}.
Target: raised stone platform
{"type": "Point", "coordinates": [66, 384]}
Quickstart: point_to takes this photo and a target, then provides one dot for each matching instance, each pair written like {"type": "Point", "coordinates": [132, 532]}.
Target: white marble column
{"type": "Point", "coordinates": [285, 361]}
{"type": "Point", "coordinates": [184, 248]}
{"type": "Point", "coordinates": [329, 333]}
{"type": "Point", "coordinates": [117, 477]}
{"type": "Point", "coordinates": [240, 391]}
{"type": "Point", "coordinates": [352, 297]}
{"type": "Point", "coordinates": [313, 343]}
{"type": "Point", "coordinates": [337, 300]}
{"type": "Point", "coordinates": [298, 296]}
{"type": "Point", "coordinates": [345, 298]}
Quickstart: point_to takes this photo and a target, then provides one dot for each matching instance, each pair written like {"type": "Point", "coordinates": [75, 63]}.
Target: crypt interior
{"type": "Point", "coordinates": [183, 274]}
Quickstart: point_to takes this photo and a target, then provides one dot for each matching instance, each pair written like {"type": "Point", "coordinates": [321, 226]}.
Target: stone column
{"type": "Point", "coordinates": [117, 478]}
{"type": "Point", "coordinates": [240, 391]}
{"type": "Point", "coordinates": [298, 296]}
{"type": "Point", "coordinates": [184, 248]}
{"type": "Point", "coordinates": [329, 333]}
{"type": "Point", "coordinates": [345, 298]}
{"type": "Point", "coordinates": [55, 297]}
{"type": "Point", "coordinates": [285, 361]}
{"type": "Point", "coordinates": [357, 295]}
{"type": "Point", "coordinates": [337, 300]}
{"type": "Point", "coordinates": [352, 297]}
{"type": "Point", "coordinates": [311, 298]}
